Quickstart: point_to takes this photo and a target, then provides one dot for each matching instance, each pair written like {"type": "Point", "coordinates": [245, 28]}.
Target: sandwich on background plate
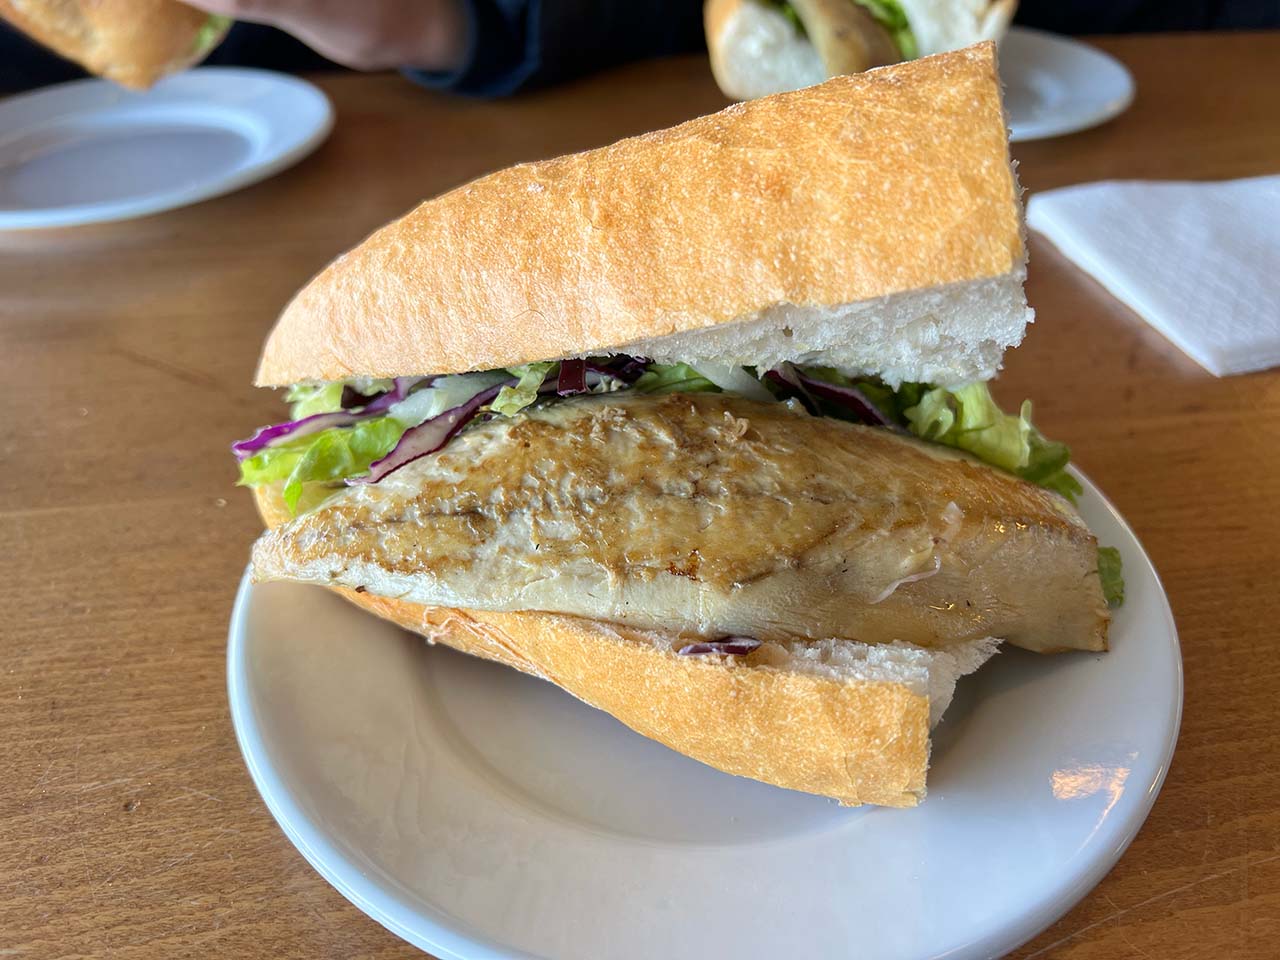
{"type": "Point", "coordinates": [696, 427]}
{"type": "Point", "coordinates": [759, 47]}
{"type": "Point", "coordinates": [133, 42]}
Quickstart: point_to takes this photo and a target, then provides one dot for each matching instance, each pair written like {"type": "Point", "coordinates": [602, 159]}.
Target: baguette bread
{"type": "Point", "coordinates": [840, 719]}
{"type": "Point", "coordinates": [894, 247]}
{"type": "Point", "coordinates": [133, 42]}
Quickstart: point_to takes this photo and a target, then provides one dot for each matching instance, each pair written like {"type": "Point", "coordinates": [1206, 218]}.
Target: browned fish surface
{"type": "Point", "coordinates": [712, 515]}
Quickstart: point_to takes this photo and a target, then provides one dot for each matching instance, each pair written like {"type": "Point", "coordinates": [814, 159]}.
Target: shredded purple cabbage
{"type": "Point", "coordinates": [401, 387]}
{"type": "Point", "coordinates": [625, 368]}
{"type": "Point", "coordinates": [573, 378]}
{"type": "Point", "coordinates": [850, 399]}
{"type": "Point", "coordinates": [430, 435]}
{"type": "Point", "coordinates": [269, 436]}
{"type": "Point", "coordinates": [353, 399]}
{"type": "Point", "coordinates": [583, 376]}
{"type": "Point", "coordinates": [785, 377]}
{"type": "Point", "coordinates": [730, 646]}
{"type": "Point", "coordinates": [376, 406]}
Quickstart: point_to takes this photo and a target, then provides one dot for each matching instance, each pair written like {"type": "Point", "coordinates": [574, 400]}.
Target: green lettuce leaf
{"type": "Point", "coordinates": [1047, 466]}
{"type": "Point", "coordinates": [890, 15]}
{"type": "Point", "coordinates": [210, 34]}
{"type": "Point", "coordinates": [968, 418]}
{"type": "Point", "coordinates": [1109, 572]}
{"type": "Point", "coordinates": [328, 456]}
{"type": "Point", "coordinates": [673, 378]}
{"type": "Point", "coordinates": [308, 399]}
{"type": "Point", "coordinates": [444, 394]}
{"type": "Point", "coordinates": [511, 400]}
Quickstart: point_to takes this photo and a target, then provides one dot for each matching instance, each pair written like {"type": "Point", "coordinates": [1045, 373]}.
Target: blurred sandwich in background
{"type": "Point", "coordinates": [133, 42]}
{"type": "Point", "coordinates": [759, 47]}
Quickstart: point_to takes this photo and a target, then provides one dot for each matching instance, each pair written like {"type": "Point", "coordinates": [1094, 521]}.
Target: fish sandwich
{"type": "Point", "coordinates": [696, 426]}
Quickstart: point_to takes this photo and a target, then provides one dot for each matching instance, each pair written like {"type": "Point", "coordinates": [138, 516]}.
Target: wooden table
{"type": "Point", "coordinates": [128, 825]}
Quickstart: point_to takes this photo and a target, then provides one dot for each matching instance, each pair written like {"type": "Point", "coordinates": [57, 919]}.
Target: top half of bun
{"type": "Point", "coordinates": [870, 223]}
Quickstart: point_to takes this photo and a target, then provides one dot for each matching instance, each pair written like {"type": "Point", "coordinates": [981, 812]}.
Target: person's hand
{"type": "Point", "coordinates": [363, 34]}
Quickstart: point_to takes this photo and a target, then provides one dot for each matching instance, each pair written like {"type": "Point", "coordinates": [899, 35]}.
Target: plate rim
{"type": "Point", "coordinates": [451, 939]}
{"type": "Point", "coordinates": [374, 902]}
{"type": "Point", "coordinates": [1048, 129]}
{"type": "Point", "coordinates": [1035, 923]}
{"type": "Point", "coordinates": [103, 93]}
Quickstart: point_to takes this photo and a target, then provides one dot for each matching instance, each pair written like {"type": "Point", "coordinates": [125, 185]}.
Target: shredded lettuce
{"type": "Point", "coordinates": [890, 15]}
{"type": "Point", "coordinates": [1111, 575]}
{"type": "Point", "coordinates": [328, 456]}
{"type": "Point", "coordinates": [511, 400]}
{"type": "Point", "coordinates": [1047, 466]}
{"type": "Point", "coordinates": [673, 378]}
{"type": "Point", "coordinates": [968, 418]}
{"type": "Point", "coordinates": [734, 379]}
{"type": "Point", "coordinates": [444, 394]}
{"type": "Point", "coordinates": [308, 399]}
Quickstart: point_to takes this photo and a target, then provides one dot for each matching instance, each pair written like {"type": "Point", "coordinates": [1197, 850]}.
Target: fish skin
{"type": "Point", "coordinates": [712, 515]}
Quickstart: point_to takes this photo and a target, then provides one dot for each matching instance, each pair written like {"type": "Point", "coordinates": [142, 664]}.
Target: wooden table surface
{"type": "Point", "coordinates": [128, 825]}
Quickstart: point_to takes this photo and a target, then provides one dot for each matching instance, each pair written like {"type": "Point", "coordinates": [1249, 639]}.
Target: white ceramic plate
{"type": "Point", "coordinates": [480, 813]}
{"type": "Point", "coordinates": [90, 151]}
{"type": "Point", "coordinates": [1054, 85]}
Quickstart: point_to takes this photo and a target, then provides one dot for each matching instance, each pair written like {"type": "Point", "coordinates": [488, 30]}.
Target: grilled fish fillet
{"type": "Point", "coordinates": [710, 515]}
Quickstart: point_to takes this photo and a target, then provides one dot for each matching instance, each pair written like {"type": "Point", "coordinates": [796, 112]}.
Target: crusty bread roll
{"type": "Point", "coordinates": [894, 246]}
{"type": "Point", "coordinates": [757, 50]}
{"type": "Point", "coordinates": [840, 719]}
{"type": "Point", "coordinates": [133, 42]}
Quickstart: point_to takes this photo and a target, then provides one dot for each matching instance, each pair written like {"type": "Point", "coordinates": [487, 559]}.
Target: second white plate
{"type": "Point", "coordinates": [480, 813]}
{"type": "Point", "coordinates": [89, 151]}
{"type": "Point", "coordinates": [1055, 85]}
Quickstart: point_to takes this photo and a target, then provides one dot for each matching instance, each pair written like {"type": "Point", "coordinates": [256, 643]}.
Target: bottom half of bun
{"type": "Point", "coordinates": [840, 719]}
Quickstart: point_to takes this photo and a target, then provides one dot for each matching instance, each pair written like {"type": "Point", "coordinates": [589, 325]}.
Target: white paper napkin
{"type": "Point", "coordinates": [1200, 262]}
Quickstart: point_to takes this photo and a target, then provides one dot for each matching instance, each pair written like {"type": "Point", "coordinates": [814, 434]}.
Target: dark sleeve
{"type": "Point", "coordinates": [521, 44]}
{"type": "Point", "coordinates": [1147, 16]}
